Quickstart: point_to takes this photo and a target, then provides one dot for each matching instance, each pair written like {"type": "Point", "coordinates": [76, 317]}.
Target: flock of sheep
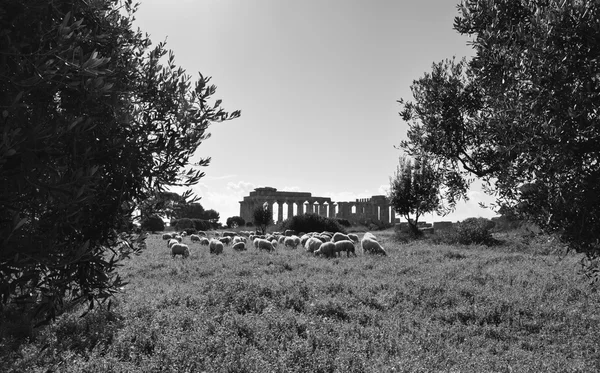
{"type": "Point", "coordinates": [325, 244]}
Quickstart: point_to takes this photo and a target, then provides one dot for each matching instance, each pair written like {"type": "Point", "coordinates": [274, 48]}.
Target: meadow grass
{"type": "Point", "coordinates": [423, 308]}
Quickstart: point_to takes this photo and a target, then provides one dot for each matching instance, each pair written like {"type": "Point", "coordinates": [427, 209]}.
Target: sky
{"type": "Point", "coordinates": [317, 83]}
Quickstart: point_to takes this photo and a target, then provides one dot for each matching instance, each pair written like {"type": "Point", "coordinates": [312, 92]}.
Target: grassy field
{"type": "Point", "coordinates": [423, 308]}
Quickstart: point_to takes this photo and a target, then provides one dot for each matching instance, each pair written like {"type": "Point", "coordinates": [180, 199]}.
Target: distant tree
{"type": "Point", "coordinates": [262, 217]}
{"type": "Point", "coordinates": [212, 216]}
{"type": "Point", "coordinates": [235, 221]}
{"type": "Point", "coordinates": [414, 190]}
{"type": "Point", "coordinates": [166, 204]}
{"type": "Point", "coordinates": [94, 122]}
{"type": "Point", "coordinates": [153, 223]}
{"type": "Point", "coordinates": [522, 112]}
{"type": "Point", "coordinates": [191, 210]}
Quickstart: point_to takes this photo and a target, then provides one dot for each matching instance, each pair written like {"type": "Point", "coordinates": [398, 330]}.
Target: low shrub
{"type": "Point", "coordinates": [189, 231]}
{"type": "Point", "coordinates": [475, 231]}
{"type": "Point", "coordinates": [203, 225]}
{"type": "Point", "coordinates": [182, 224]}
{"type": "Point", "coordinates": [153, 223]}
{"type": "Point", "coordinates": [344, 222]}
{"type": "Point", "coordinates": [312, 223]}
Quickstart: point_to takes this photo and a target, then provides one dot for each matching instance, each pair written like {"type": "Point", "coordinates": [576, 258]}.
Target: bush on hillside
{"type": "Point", "coordinates": [203, 225]}
{"type": "Point", "coordinates": [182, 224]}
{"type": "Point", "coordinates": [153, 223]}
{"type": "Point", "coordinates": [344, 222]}
{"type": "Point", "coordinates": [189, 231]}
{"type": "Point", "coordinates": [312, 223]}
{"type": "Point", "coordinates": [475, 231]}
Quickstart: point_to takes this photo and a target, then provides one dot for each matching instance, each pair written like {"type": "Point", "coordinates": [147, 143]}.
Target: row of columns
{"type": "Point", "coordinates": [347, 210]}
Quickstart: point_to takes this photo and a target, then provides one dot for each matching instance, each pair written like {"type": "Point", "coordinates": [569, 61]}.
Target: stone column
{"type": "Point", "coordinates": [385, 213]}
{"type": "Point", "coordinates": [290, 209]}
{"type": "Point", "coordinates": [279, 211]}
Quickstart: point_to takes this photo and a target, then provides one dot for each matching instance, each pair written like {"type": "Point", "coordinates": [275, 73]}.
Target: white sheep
{"type": "Point", "coordinates": [327, 249]}
{"type": "Point", "coordinates": [371, 246]}
{"type": "Point", "coordinates": [166, 236]}
{"type": "Point", "coordinates": [180, 249]}
{"type": "Point", "coordinates": [226, 240]}
{"type": "Point", "coordinates": [304, 238]}
{"type": "Point", "coordinates": [353, 237]}
{"type": "Point", "coordinates": [312, 244]}
{"type": "Point", "coordinates": [345, 245]}
{"type": "Point", "coordinates": [290, 242]}
{"type": "Point", "coordinates": [229, 234]}
{"type": "Point", "coordinates": [178, 238]}
{"type": "Point", "coordinates": [370, 235]}
{"type": "Point", "coordinates": [289, 232]}
{"type": "Point", "coordinates": [216, 247]}
{"type": "Point", "coordinates": [239, 246]}
{"type": "Point", "coordinates": [172, 242]}
{"type": "Point", "coordinates": [339, 236]}
{"type": "Point", "coordinates": [263, 244]}
{"type": "Point", "coordinates": [204, 241]}
{"type": "Point", "coordinates": [202, 233]}
{"type": "Point", "coordinates": [194, 237]}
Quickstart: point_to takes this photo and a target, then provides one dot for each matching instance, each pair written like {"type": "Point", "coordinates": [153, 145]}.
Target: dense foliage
{"type": "Point", "coordinates": [415, 190]}
{"type": "Point", "coordinates": [312, 223]}
{"type": "Point", "coordinates": [235, 221]}
{"type": "Point", "coordinates": [523, 113]}
{"type": "Point", "coordinates": [474, 231]}
{"type": "Point", "coordinates": [262, 217]}
{"type": "Point", "coordinates": [153, 223]}
{"type": "Point", "coordinates": [94, 121]}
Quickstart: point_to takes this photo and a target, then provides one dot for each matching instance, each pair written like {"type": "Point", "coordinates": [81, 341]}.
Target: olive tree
{"type": "Point", "coordinates": [95, 120]}
{"type": "Point", "coordinates": [262, 217]}
{"type": "Point", "coordinates": [522, 114]}
{"type": "Point", "coordinates": [415, 190]}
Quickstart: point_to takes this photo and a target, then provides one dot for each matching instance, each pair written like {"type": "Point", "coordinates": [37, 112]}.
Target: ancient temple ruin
{"type": "Point", "coordinates": [288, 204]}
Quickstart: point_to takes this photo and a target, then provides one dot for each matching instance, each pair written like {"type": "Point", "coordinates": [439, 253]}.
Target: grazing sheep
{"type": "Point", "coordinates": [304, 238]}
{"type": "Point", "coordinates": [338, 236]}
{"type": "Point", "coordinates": [370, 246]}
{"type": "Point", "coordinates": [166, 236]}
{"type": "Point", "coordinates": [345, 245]}
{"type": "Point", "coordinates": [173, 234]}
{"type": "Point", "coordinates": [204, 241]}
{"type": "Point", "coordinates": [239, 246]}
{"type": "Point", "coordinates": [183, 234]}
{"type": "Point", "coordinates": [226, 240]}
{"type": "Point", "coordinates": [180, 249]}
{"type": "Point", "coordinates": [370, 235]}
{"type": "Point", "coordinates": [290, 242]}
{"type": "Point", "coordinates": [172, 242]}
{"type": "Point", "coordinates": [237, 239]}
{"type": "Point", "coordinates": [202, 233]}
{"type": "Point", "coordinates": [312, 244]}
{"type": "Point", "coordinates": [281, 240]}
{"type": "Point", "coordinates": [178, 238]}
{"type": "Point", "coordinates": [216, 247]}
{"type": "Point", "coordinates": [194, 238]}
{"type": "Point", "coordinates": [290, 232]}
{"type": "Point", "coordinates": [262, 244]}
{"type": "Point", "coordinates": [353, 237]}
{"type": "Point", "coordinates": [229, 234]}
{"type": "Point", "coordinates": [327, 249]}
